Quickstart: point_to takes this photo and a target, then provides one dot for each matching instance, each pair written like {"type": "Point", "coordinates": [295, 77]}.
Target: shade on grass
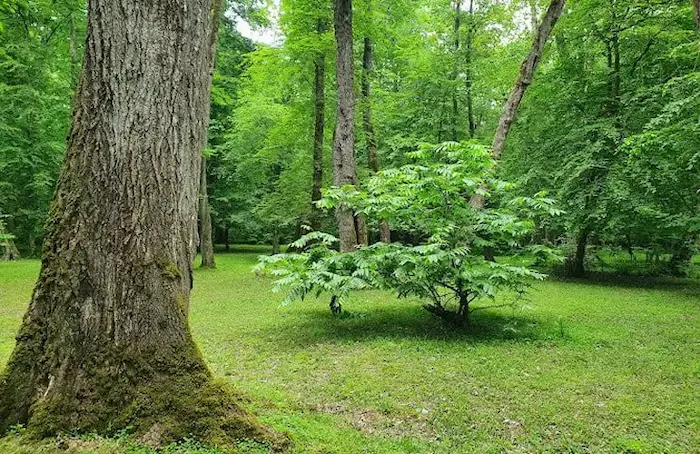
{"type": "Point", "coordinates": [595, 367]}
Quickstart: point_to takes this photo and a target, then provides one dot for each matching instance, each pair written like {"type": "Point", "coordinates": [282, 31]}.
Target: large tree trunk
{"type": "Point", "coordinates": [527, 71]}
{"type": "Point", "coordinates": [105, 342]}
{"type": "Point", "coordinates": [206, 243]}
{"type": "Point", "coordinates": [319, 130]}
{"type": "Point", "coordinates": [351, 228]}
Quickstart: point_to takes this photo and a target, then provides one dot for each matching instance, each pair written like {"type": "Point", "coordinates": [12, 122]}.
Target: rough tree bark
{"type": "Point", "coordinates": [105, 343]}
{"type": "Point", "coordinates": [527, 71]}
{"type": "Point", "coordinates": [319, 130]}
{"type": "Point", "coordinates": [696, 7]}
{"type": "Point", "coordinates": [370, 137]}
{"type": "Point", "coordinates": [351, 228]}
{"type": "Point", "coordinates": [206, 241]}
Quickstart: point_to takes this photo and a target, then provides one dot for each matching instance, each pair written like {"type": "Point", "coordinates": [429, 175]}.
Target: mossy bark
{"type": "Point", "coordinates": [105, 342]}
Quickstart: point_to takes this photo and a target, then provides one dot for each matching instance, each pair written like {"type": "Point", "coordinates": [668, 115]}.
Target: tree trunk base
{"type": "Point", "coordinates": [458, 318]}
{"type": "Point", "coordinates": [164, 396]}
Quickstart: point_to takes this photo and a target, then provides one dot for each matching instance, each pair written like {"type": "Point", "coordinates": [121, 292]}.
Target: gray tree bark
{"type": "Point", "coordinates": [527, 71]}
{"type": "Point", "coordinates": [206, 242]}
{"type": "Point", "coordinates": [351, 228]}
{"type": "Point", "coordinates": [105, 343]}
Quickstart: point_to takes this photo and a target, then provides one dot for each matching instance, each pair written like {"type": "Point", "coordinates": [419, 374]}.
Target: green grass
{"type": "Point", "coordinates": [588, 367]}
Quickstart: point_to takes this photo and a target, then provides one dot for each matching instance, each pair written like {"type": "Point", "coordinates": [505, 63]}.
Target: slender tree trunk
{"type": "Point", "coordinates": [681, 258]}
{"type": "Point", "coordinates": [469, 57]}
{"type": "Point", "coordinates": [275, 241]}
{"type": "Point", "coordinates": [370, 136]}
{"type": "Point", "coordinates": [105, 343]}
{"type": "Point", "coordinates": [10, 249]}
{"type": "Point", "coordinates": [696, 7]}
{"type": "Point", "coordinates": [455, 71]}
{"type": "Point", "coordinates": [527, 71]}
{"type": "Point", "coordinates": [319, 125]}
{"type": "Point", "coordinates": [206, 244]}
{"type": "Point", "coordinates": [350, 227]}
{"type": "Point", "coordinates": [576, 263]}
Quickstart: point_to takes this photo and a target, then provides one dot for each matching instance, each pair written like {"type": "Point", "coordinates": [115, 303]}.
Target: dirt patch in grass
{"type": "Point", "coordinates": [372, 422]}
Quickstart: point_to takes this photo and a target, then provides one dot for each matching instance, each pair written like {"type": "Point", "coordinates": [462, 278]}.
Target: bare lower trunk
{"type": "Point", "coordinates": [206, 243]}
{"type": "Point", "coordinates": [576, 262]}
{"type": "Point", "coordinates": [527, 71]}
{"type": "Point", "coordinates": [275, 242]}
{"type": "Point", "coordinates": [319, 124]}
{"type": "Point", "coordinates": [696, 7]}
{"type": "Point", "coordinates": [344, 166]}
{"type": "Point", "coordinates": [370, 136]}
{"type": "Point", "coordinates": [105, 343]}
{"type": "Point", "coordinates": [384, 231]}
{"type": "Point", "coordinates": [10, 251]}
{"type": "Point", "coordinates": [681, 258]}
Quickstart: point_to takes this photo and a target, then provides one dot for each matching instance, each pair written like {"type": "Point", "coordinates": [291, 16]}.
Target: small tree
{"type": "Point", "coordinates": [430, 200]}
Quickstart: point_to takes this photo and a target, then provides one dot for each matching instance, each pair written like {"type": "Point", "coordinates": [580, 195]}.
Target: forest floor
{"type": "Point", "coordinates": [586, 367]}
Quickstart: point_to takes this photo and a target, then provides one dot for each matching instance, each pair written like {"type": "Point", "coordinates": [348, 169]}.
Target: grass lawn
{"type": "Point", "coordinates": [588, 367]}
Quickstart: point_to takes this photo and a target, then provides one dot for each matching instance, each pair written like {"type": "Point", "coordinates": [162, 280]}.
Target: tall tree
{"type": "Point", "coordinates": [527, 72]}
{"type": "Point", "coordinates": [368, 124]}
{"type": "Point", "coordinates": [105, 342]}
{"type": "Point", "coordinates": [351, 228]}
{"type": "Point", "coordinates": [523, 81]}
{"type": "Point", "coordinates": [455, 70]}
{"type": "Point", "coordinates": [469, 70]}
{"type": "Point", "coordinates": [319, 128]}
{"type": "Point", "coordinates": [206, 240]}
{"type": "Point", "coordinates": [206, 237]}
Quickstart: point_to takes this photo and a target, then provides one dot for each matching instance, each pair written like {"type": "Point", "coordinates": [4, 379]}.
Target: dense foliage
{"type": "Point", "coordinates": [609, 127]}
{"type": "Point", "coordinates": [429, 200]}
